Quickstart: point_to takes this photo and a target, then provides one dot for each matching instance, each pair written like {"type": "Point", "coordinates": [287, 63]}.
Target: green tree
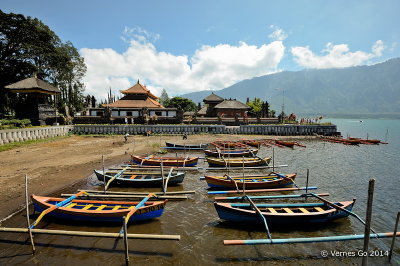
{"type": "Point", "coordinates": [164, 98]}
{"type": "Point", "coordinates": [29, 47]}
{"type": "Point", "coordinates": [182, 104]}
{"type": "Point", "coordinates": [256, 106]}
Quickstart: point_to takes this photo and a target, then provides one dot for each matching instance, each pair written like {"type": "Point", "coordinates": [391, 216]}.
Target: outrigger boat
{"type": "Point", "coordinates": [231, 152]}
{"type": "Point", "coordinates": [225, 144]}
{"type": "Point", "coordinates": [186, 146]}
{"type": "Point", "coordinates": [166, 161]}
{"type": "Point", "coordinates": [138, 179]}
{"type": "Point", "coordinates": [97, 210]}
{"type": "Point", "coordinates": [273, 180]}
{"type": "Point", "coordinates": [283, 213]}
{"type": "Point", "coordinates": [237, 162]}
{"type": "Point", "coordinates": [253, 143]}
{"type": "Point", "coordinates": [289, 144]}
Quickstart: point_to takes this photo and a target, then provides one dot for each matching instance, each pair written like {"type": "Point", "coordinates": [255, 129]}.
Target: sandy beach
{"type": "Point", "coordinates": [60, 163]}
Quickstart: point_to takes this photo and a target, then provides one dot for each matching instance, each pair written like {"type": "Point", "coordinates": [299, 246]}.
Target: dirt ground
{"type": "Point", "coordinates": [60, 163]}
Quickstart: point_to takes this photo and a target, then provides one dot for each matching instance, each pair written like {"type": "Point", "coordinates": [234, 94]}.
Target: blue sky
{"type": "Point", "coordinates": [186, 46]}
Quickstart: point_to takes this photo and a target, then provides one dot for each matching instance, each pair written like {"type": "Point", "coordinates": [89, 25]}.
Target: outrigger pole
{"type": "Point", "coordinates": [307, 239]}
{"type": "Point", "coordinates": [54, 207]}
{"type": "Point", "coordinates": [262, 190]}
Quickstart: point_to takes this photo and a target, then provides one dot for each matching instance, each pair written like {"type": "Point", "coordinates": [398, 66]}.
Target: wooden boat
{"type": "Point", "coordinates": [167, 161]}
{"type": "Point", "coordinates": [185, 146]}
{"type": "Point", "coordinates": [237, 162]}
{"type": "Point", "coordinates": [282, 213]}
{"type": "Point", "coordinates": [226, 144]}
{"type": "Point", "coordinates": [349, 141]}
{"type": "Point", "coordinates": [289, 144]}
{"type": "Point", "coordinates": [253, 143]}
{"type": "Point", "coordinates": [272, 180]}
{"type": "Point", "coordinates": [231, 153]}
{"type": "Point", "coordinates": [98, 210]}
{"type": "Point", "coordinates": [366, 141]}
{"type": "Point", "coordinates": [139, 179]}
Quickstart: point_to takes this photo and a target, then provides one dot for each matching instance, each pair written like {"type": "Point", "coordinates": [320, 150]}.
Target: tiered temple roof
{"type": "Point", "coordinates": [137, 96]}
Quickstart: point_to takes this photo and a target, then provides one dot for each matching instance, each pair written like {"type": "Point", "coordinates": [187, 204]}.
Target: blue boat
{"type": "Point", "coordinates": [98, 210]}
{"type": "Point", "coordinates": [283, 213]}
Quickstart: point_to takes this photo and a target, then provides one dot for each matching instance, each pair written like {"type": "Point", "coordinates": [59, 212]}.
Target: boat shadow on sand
{"type": "Point", "coordinates": [317, 228]}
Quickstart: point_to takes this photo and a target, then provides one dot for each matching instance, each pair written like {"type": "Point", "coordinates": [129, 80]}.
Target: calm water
{"type": "Point", "coordinates": [343, 171]}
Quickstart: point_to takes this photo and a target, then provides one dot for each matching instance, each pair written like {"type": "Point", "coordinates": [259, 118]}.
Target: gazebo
{"type": "Point", "coordinates": [34, 96]}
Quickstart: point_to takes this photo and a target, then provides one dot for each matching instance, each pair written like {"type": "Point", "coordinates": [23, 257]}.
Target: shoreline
{"type": "Point", "coordinates": [59, 164]}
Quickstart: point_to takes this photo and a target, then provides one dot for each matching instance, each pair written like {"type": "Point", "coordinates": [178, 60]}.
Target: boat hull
{"type": "Point", "coordinates": [256, 183]}
{"type": "Point", "coordinates": [150, 211]}
{"type": "Point", "coordinates": [185, 147]}
{"type": "Point", "coordinates": [231, 153]}
{"type": "Point", "coordinates": [216, 162]}
{"type": "Point", "coordinates": [167, 161]}
{"type": "Point", "coordinates": [226, 211]}
{"type": "Point", "coordinates": [149, 180]}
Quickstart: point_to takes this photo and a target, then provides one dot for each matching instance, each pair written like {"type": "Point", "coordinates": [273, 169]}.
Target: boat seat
{"type": "Point", "coordinates": [133, 176]}
{"type": "Point", "coordinates": [87, 207]}
{"type": "Point", "coordinates": [288, 210]}
{"type": "Point", "coordinates": [304, 210]}
{"type": "Point", "coordinates": [70, 205]}
{"type": "Point", "coordinates": [272, 210]}
{"type": "Point", "coordinates": [319, 209]}
{"type": "Point", "coordinates": [116, 207]}
{"type": "Point", "coordinates": [101, 207]}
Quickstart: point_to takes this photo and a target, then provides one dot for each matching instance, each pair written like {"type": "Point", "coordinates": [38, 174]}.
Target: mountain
{"type": "Point", "coordinates": [361, 90]}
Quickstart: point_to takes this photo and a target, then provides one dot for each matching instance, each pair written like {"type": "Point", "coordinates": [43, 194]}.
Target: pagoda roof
{"type": "Point", "coordinates": [148, 103]}
{"type": "Point", "coordinates": [202, 111]}
{"type": "Point", "coordinates": [213, 98]}
{"type": "Point", "coordinates": [139, 89]}
{"type": "Point", "coordinates": [232, 104]}
{"type": "Point", "coordinates": [32, 84]}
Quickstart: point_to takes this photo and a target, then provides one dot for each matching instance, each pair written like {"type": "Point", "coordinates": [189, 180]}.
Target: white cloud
{"type": "Point", "coordinates": [210, 67]}
{"type": "Point", "coordinates": [278, 34]}
{"type": "Point", "coordinates": [336, 56]}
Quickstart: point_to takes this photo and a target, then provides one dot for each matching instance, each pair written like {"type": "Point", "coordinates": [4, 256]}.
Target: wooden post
{"type": "Point", "coordinates": [162, 176]}
{"type": "Point", "coordinates": [273, 159]}
{"type": "Point", "coordinates": [308, 173]}
{"type": "Point", "coordinates": [368, 220]}
{"type": "Point", "coordinates": [104, 174]}
{"type": "Point", "coordinates": [126, 242]}
{"type": "Point", "coordinates": [244, 182]}
{"type": "Point", "coordinates": [27, 214]}
{"type": "Point", "coordinates": [394, 236]}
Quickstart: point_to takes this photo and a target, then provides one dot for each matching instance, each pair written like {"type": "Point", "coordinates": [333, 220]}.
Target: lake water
{"type": "Point", "coordinates": [341, 170]}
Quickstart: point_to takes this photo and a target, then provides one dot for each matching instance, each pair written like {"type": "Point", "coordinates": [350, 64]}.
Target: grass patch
{"type": "Point", "coordinates": [13, 145]}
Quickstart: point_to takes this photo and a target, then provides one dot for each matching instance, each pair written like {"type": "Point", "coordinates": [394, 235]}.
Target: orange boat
{"type": "Point", "coordinates": [289, 144]}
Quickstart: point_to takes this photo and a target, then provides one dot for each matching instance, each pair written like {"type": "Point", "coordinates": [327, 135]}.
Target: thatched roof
{"type": "Point", "coordinates": [32, 85]}
{"type": "Point", "coordinates": [232, 104]}
{"type": "Point", "coordinates": [213, 98]}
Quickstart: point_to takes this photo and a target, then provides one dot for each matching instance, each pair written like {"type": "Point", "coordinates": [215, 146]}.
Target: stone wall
{"type": "Point", "coordinates": [281, 130]}
{"type": "Point", "coordinates": [15, 135]}
{"type": "Point", "coordinates": [24, 134]}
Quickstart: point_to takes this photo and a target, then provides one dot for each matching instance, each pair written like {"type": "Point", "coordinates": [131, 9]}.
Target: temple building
{"type": "Point", "coordinates": [217, 106]}
{"type": "Point", "coordinates": [138, 101]}
{"type": "Point", "coordinates": [34, 99]}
